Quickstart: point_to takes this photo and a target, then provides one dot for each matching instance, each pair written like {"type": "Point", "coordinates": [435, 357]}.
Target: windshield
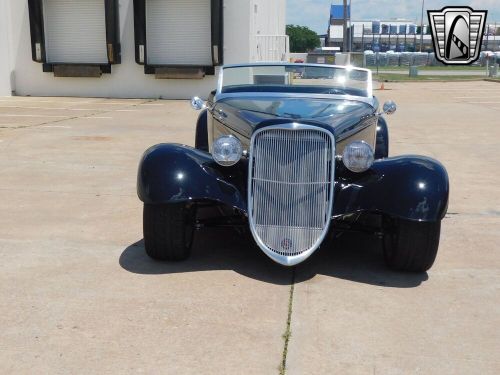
{"type": "Point", "coordinates": [296, 78]}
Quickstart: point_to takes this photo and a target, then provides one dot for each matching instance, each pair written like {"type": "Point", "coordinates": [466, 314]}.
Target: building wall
{"type": "Point", "coordinates": [127, 80]}
{"type": "Point", "coordinates": [267, 30]}
{"type": "Point", "coordinates": [5, 60]}
{"type": "Point", "coordinates": [359, 25]}
{"type": "Point", "coordinates": [269, 17]}
{"type": "Point", "coordinates": [336, 31]}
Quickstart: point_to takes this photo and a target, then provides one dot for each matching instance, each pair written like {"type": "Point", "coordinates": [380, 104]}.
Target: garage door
{"type": "Point", "coordinates": [178, 32]}
{"type": "Point", "coordinates": [75, 31]}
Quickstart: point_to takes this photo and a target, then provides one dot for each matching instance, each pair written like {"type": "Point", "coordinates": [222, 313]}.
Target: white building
{"type": "Point", "coordinates": [394, 34]}
{"type": "Point", "coordinates": [133, 48]}
{"type": "Point", "coordinates": [399, 35]}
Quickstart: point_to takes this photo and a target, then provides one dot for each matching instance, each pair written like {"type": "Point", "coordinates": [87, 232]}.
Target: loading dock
{"type": "Point", "coordinates": [75, 38]}
{"type": "Point", "coordinates": [58, 47]}
{"type": "Point", "coordinates": [179, 37]}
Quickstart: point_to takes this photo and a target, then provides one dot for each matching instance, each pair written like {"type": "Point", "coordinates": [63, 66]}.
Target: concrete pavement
{"type": "Point", "coordinates": [77, 292]}
{"type": "Point", "coordinates": [79, 295]}
{"type": "Point", "coordinates": [352, 316]}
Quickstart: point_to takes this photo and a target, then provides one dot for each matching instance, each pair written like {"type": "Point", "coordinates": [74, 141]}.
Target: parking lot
{"type": "Point", "coordinates": [79, 295]}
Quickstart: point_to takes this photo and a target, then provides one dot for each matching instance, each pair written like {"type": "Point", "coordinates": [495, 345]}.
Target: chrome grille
{"type": "Point", "coordinates": [290, 189]}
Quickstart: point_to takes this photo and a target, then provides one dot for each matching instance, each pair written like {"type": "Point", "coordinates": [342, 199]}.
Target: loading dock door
{"type": "Point", "coordinates": [178, 32]}
{"type": "Point", "coordinates": [75, 31]}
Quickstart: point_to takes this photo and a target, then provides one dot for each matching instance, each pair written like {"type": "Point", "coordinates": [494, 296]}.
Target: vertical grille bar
{"type": "Point", "coordinates": [290, 189]}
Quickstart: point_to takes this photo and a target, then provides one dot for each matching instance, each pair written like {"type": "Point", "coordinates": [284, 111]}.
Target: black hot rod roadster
{"type": "Point", "coordinates": [293, 152]}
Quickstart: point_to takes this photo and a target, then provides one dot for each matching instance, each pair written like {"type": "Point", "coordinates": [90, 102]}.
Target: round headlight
{"type": "Point", "coordinates": [358, 156]}
{"type": "Point", "coordinates": [227, 150]}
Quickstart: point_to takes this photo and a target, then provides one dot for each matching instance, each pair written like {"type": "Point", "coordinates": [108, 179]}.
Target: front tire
{"type": "Point", "coordinates": [411, 246]}
{"type": "Point", "coordinates": [168, 231]}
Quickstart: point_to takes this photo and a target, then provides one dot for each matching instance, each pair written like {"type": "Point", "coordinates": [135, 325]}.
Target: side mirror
{"type": "Point", "coordinates": [390, 107]}
{"type": "Point", "coordinates": [197, 103]}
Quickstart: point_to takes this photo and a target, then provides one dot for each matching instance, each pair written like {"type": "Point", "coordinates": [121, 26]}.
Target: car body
{"type": "Point", "coordinates": [294, 160]}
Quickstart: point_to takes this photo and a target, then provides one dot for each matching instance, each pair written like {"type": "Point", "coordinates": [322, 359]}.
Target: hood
{"type": "Point", "coordinates": [244, 114]}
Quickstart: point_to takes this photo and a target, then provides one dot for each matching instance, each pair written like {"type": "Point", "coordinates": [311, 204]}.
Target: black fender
{"type": "Point", "coordinates": [405, 187]}
{"type": "Point", "coordinates": [382, 145]}
{"type": "Point", "coordinates": [201, 140]}
{"type": "Point", "coordinates": [173, 173]}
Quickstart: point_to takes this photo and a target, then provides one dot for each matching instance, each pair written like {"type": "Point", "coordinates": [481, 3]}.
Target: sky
{"type": "Point", "coordinates": [315, 13]}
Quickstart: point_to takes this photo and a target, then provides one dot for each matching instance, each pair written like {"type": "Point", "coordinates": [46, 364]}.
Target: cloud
{"type": "Point", "coordinates": [315, 13]}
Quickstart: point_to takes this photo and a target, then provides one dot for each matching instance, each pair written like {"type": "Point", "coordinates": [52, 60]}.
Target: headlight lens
{"type": "Point", "coordinates": [358, 156]}
{"type": "Point", "coordinates": [227, 150]}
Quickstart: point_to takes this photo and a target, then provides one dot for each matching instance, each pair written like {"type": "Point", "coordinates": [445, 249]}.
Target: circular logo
{"type": "Point", "coordinates": [286, 244]}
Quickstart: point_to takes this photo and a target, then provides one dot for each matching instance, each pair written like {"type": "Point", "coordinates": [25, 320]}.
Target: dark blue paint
{"type": "Point", "coordinates": [382, 145]}
{"type": "Point", "coordinates": [407, 187]}
{"type": "Point", "coordinates": [201, 140]}
{"type": "Point", "coordinates": [341, 117]}
{"type": "Point", "coordinates": [171, 173]}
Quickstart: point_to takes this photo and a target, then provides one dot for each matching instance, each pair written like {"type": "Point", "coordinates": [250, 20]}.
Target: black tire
{"type": "Point", "coordinates": [168, 231]}
{"type": "Point", "coordinates": [411, 245]}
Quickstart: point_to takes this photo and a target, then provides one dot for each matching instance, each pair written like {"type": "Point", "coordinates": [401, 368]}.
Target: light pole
{"type": "Point", "coordinates": [351, 29]}
{"type": "Point", "coordinates": [422, 26]}
{"type": "Point", "coordinates": [345, 26]}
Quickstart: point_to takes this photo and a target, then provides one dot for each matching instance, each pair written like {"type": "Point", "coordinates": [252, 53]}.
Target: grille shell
{"type": "Point", "coordinates": [290, 190]}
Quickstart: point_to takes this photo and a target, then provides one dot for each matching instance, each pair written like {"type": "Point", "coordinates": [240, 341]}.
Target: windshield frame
{"type": "Point", "coordinates": [368, 98]}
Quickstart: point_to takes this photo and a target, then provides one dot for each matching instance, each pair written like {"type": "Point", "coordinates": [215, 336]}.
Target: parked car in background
{"type": "Point", "coordinates": [294, 153]}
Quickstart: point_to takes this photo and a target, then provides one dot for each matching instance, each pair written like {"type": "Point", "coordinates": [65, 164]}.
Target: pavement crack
{"type": "Point", "coordinates": [38, 125]}
{"type": "Point", "coordinates": [288, 332]}
{"type": "Point", "coordinates": [485, 213]}
{"type": "Point", "coordinates": [70, 118]}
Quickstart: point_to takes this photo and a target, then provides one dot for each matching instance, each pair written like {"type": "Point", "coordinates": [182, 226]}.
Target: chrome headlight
{"type": "Point", "coordinates": [227, 150]}
{"type": "Point", "coordinates": [358, 156]}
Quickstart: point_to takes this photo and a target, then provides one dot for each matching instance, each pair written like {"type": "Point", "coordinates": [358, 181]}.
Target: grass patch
{"type": "Point", "coordinates": [288, 332]}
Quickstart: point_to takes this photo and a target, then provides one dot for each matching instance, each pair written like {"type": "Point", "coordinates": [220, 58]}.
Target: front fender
{"type": "Point", "coordinates": [406, 187]}
{"type": "Point", "coordinates": [201, 139]}
{"type": "Point", "coordinates": [382, 146]}
{"type": "Point", "coordinates": [171, 173]}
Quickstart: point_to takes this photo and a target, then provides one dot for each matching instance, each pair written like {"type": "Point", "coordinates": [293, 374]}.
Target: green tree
{"type": "Point", "coordinates": [302, 38]}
